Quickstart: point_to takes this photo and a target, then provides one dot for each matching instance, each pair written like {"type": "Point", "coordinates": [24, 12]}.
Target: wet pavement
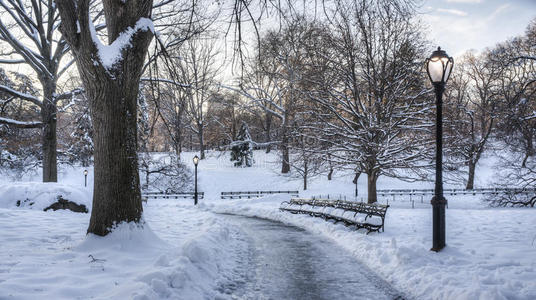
{"type": "Point", "coordinates": [286, 262]}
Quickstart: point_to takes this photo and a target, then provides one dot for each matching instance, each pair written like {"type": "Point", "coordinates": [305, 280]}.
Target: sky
{"type": "Point", "coordinates": [461, 25]}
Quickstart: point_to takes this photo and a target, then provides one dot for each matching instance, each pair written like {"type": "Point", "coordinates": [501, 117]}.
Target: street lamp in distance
{"type": "Point", "coordinates": [439, 67]}
{"type": "Point", "coordinates": [196, 161]}
{"type": "Point", "coordinates": [85, 178]}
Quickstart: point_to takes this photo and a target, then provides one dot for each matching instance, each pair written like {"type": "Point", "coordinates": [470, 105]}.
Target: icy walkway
{"type": "Point", "coordinates": [286, 262]}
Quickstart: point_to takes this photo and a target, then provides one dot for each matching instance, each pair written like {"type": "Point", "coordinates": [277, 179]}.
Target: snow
{"type": "Point", "coordinates": [15, 122]}
{"type": "Point", "coordinates": [40, 195]}
{"type": "Point", "coordinates": [188, 252]}
{"type": "Point", "coordinates": [490, 254]}
{"type": "Point", "coordinates": [111, 54]}
{"type": "Point", "coordinates": [47, 255]}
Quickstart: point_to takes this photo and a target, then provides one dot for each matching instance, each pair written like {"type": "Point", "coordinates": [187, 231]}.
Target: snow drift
{"type": "Point", "coordinates": [40, 195]}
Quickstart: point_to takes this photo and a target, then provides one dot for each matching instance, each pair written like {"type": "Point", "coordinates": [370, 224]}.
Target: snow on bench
{"type": "Point", "coordinates": [358, 214]}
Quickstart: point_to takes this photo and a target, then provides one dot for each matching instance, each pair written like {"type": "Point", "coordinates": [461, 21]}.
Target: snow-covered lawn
{"type": "Point", "coordinates": [191, 253]}
{"type": "Point", "coordinates": [46, 255]}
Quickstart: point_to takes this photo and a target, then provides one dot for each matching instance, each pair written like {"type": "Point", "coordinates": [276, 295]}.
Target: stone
{"type": "Point", "coordinates": [66, 204]}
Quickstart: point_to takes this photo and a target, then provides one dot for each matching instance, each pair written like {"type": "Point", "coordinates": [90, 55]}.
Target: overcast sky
{"type": "Point", "coordinates": [460, 25]}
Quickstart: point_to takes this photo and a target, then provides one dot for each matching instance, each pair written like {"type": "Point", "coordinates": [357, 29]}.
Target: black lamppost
{"type": "Point", "coordinates": [439, 67]}
{"type": "Point", "coordinates": [85, 178]}
{"type": "Point", "coordinates": [196, 161]}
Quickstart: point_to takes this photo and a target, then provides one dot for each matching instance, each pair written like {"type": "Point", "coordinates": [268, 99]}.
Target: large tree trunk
{"type": "Point", "coordinates": [471, 178]}
{"type": "Point", "coordinates": [112, 90]}
{"type": "Point", "coordinates": [49, 140]}
{"type": "Point", "coordinates": [116, 192]}
{"type": "Point", "coordinates": [371, 186]}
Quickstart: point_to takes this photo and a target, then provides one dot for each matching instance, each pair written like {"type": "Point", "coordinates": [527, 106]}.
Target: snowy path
{"type": "Point", "coordinates": [286, 262]}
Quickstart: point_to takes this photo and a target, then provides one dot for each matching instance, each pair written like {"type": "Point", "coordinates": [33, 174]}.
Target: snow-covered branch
{"type": "Point", "coordinates": [20, 124]}
{"type": "Point", "coordinates": [20, 95]}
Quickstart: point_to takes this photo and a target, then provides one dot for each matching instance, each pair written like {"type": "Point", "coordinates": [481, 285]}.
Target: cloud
{"type": "Point", "coordinates": [452, 12]}
{"type": "Point", "coordinates": [499, 10]}
{"type": "Point", "coordinates": [464, 1]}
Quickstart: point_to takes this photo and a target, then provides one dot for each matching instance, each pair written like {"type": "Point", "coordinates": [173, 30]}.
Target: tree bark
{"type": "Point", "coordinates": [471, 178]}
{"type": "Point", "coordinates": [201, 138]}
{"type": "Point", "coordinates": [268, 137]}
{"type": "Point", "coordinates": [371, 186]}
{"type": "Point", "coordinates": [112, 91]}
{"type": "Point", "coordinates": [330, 174]}
{"type": "Point", "coordinates": [116, 193]}
{"type": "Point", "coordinates": [285, 157]}
{"type": "Point", "coordinates": [49, 138]}
{"type": "Point", "coordinates": [529, 150]}
{"type": "Point", "coordinates": [305, 173]}
{"type": "Point", "coordinates": [285, 166]}
{"type": "Point", "coordinates": [178, 135]}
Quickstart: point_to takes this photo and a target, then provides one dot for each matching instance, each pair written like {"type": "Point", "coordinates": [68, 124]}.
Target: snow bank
{"type": "Point", "coordinates": [490, 253]}
{"type": "Point", "coordinates": [39, 195]}
{"type": "Point", "coordinates": [186, 253]}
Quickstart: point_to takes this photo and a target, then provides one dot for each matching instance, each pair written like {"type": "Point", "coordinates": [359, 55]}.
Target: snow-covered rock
{"type": "Point", "coordinates": [40, 195]}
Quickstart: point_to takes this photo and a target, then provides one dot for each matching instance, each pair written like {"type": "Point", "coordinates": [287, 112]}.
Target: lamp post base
{"type": "Point", "coordinates": [438, 214]}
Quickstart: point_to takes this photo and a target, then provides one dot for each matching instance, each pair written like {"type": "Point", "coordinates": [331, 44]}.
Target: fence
{"type": "Point", "coordinates": [163, 195]}
{"type": "Point", "coordinates": [255, 194]}
{"type": "Point", "coordinates": [416, 197]}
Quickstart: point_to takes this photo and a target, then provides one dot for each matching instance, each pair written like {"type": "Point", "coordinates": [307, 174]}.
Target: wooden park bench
{"type": "Point", "coordinates": [163, 195]}
{"type": "Point", "coordinates": [351, 213]}
{"type": "Point", "coordinates": [255, 194]}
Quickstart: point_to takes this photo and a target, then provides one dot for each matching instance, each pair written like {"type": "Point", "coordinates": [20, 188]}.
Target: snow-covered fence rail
{"type": "Point", "coordinates": [331, 197]}
{"type": "Point", "coordinates": [453, 192]}
{"type": "Point", "coordinates": [358, 214]}
{"type": "Point", "coordinates": [255, 194]}
{"type": "Point", "coordinates": [163, 195]}
{"type": "Point", "coordinates": [412, 195]}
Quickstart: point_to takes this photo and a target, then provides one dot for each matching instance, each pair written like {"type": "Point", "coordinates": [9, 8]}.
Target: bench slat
{"type": "Point", "coordinates": [296, 205]}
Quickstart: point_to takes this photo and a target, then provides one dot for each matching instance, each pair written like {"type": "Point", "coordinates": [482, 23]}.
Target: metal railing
{"type": "Point", "coordinates": [164, 195]}
{"type": "Point", "coordinates": [452, 192]}
{"type": "Point", "coordinates": [254, 194]}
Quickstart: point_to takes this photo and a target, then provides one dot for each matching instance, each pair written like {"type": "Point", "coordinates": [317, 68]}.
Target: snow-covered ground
{"type": "Point", "coordinates": [46, 255]}
{"type": "Point", "coordinates": [188, 252]}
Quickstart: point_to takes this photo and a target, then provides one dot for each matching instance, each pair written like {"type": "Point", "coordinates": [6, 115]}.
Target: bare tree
{"type": "Point", "coordinates": [18, 151]}
{"type": "Point", "coordinates": [264, 95]}
{"type": "Point", "coordinates": [516, 126]}
{"type": "Point", "coordinates": [224, 111]}
{"type": "Point", "coordinates": [278, 83]}
{"type": "Point", "coordinates": [376, 116]}
{"type": "Point", "coordinates": [29, 32]}
{"type": "Point", "coordinates": [198, 69]}
{"type": "Point", "coordinates": [516, 120]}
{"type": "Point", "coordinates": [471, 109]}
{"type": "Point", "coordinates": [308, 159]}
